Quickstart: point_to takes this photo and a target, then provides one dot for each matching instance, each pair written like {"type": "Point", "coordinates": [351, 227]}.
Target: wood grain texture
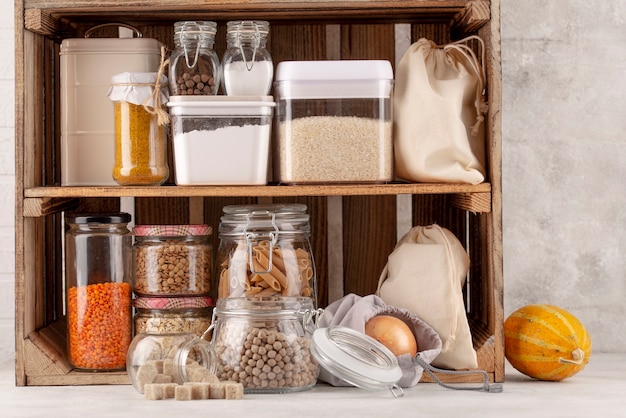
{"type": "Point", "coordinates": [303, 30]}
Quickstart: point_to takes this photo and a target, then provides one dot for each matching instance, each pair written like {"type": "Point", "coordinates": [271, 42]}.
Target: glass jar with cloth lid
{"type": "Point", "coordinates": [140, 128]}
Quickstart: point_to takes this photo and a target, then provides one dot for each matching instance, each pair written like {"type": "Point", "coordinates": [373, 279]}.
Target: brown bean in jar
{"type": "Point", "coordinates": [172, 260]}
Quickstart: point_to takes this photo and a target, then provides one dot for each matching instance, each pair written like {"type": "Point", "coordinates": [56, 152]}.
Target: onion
{"type": "Point", "coordinates": [393, 333]}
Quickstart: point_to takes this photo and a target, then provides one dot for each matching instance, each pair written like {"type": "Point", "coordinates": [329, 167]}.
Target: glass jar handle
{"type": "Point", "coordinates": [253, 237]}
{"type": "Point", "coordinates": [257, 38]}
{"type": "Point", "coordinates": [190, 26]}
{"type": "Point", "coordinates": [310, 318]}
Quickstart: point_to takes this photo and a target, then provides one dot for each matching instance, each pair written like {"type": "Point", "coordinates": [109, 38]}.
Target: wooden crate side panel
{"type": "Point", "coordinates": [494, 252]}
{"type": "Point", "coordinates": [30, 285]}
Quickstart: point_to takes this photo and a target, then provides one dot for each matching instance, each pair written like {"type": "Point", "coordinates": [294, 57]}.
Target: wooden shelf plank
{"type": "Point", "coordinates": [41, 206]}
{"type": "Point", "coordinates": [46, 17]}
{"type": "Point", "coordinates": [258, 191]}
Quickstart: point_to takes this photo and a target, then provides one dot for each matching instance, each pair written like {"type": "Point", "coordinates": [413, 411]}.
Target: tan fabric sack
{"type": "Point", "coordinates": [439, 106]}
{"type": "Point", "coordinates": [425, 275]}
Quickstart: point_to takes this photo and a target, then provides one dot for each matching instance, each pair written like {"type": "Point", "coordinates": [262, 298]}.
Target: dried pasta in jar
{"type": "Point", "coordinates": [265, 252]}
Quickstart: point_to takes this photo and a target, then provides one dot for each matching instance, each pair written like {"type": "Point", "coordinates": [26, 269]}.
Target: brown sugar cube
{"type": "Point", "coordinates": [183, 393]}
{"type": "Point", "coordinates": [145, 374]}
{"type": "Point", "coordinates": [162, 378]}
{"type": "Point", "coordinates": [153, 392]}
{"type": "Point", "coordinates": [233, 390]}
{"type": "Point", "coordinates": [169, 390]}
{"type": "Point", "coordinates": [210, 378]}
{"type": "Point", "coordinates": [197, 373]}
{"type": "Point", "coordinates": [199, 390]}
{"type": "Point", "coordinates": [158, 364]}
{"type": "Point", "coordinates": [216, 391]}
{"type": "Point", "coordinates": [169, 368]}
{"type": "Point", "coordinates": [158, 391]}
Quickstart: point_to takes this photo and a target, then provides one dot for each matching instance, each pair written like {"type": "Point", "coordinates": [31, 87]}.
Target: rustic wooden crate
{"type": "Point", "coordinates": [354, 227]}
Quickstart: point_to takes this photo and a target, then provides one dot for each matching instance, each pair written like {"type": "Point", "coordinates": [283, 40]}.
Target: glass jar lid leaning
{"type": "Point", "coordinates": [194, 66]}
{"type": "Point", "coordinates": [264, 251]}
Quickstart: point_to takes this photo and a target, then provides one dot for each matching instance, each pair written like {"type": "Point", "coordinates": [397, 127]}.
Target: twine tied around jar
{"type": "Point", "coordinates": [163, 117]}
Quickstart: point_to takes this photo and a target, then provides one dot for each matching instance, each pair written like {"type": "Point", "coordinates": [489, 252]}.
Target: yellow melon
{"type": "Point", "coordinates": [546, 342]}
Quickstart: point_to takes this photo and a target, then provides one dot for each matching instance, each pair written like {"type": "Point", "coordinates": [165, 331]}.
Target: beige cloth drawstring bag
{"type": "Point", "coordinates": [439, 106]}
{"type": "Point", "coordinates": [425, 275]}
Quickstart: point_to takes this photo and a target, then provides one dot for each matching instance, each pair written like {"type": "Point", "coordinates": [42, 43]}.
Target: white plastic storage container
{"type": "Point", "coordinates": [221, 140]}
{"type": "Point", "coordinates": [334, 121]}
{"type": "Point", "coordinates": [87, 119]}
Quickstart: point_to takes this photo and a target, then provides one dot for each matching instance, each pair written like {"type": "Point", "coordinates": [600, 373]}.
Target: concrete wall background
{"type": "Point", "coordinates": [564, 148]}
{"type": "Point", "coordinates": [564, 154]}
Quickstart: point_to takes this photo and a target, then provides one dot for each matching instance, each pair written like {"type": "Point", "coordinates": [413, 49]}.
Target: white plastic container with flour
{"type": "Point", "coordinates": [87, 119]}
{"type": "Point", "coordinates": [221, 140]}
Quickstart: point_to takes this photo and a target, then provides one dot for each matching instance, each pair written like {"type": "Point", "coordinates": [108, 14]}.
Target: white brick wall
{"type": "Point", "coordinates": [7, 181]}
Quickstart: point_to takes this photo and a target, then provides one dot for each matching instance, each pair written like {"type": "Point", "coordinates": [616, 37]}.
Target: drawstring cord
{"type": "Point", "coordinates": [485, 387]}
{"type": "Point", "coordinates": [479, 71]}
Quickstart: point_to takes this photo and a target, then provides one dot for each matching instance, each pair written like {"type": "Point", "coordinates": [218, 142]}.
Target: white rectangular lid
{"type": "Point", "coordinates": [333, 70]}
{"type": "Point", "coordinates": [344, 79]}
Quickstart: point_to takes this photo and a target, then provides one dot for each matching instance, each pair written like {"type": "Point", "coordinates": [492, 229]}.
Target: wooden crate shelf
{"type": "Point", "coordinates": [354, 227]}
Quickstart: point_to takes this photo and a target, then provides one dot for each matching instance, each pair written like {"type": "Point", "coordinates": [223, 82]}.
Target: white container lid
{"type": "Point", "coordinates": [334, 79]}
{"type": "Point", "coordinates": [357, 359]}
{"type": "Point", "coordinates": [221, 105]}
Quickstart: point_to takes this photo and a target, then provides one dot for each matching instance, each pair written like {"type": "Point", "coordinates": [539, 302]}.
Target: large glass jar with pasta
{"type": "Point", "coordinates": [264, 251]}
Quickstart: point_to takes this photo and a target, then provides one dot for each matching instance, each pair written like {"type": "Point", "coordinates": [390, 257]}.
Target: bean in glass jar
{"type": "Point", "coordinates": [172, 260]}
{"type": "Point", "coordinates": [264, 344]}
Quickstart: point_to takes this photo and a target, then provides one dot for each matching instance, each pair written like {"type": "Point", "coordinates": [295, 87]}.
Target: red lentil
{"type": "Point", "coordinates": [99, 325]}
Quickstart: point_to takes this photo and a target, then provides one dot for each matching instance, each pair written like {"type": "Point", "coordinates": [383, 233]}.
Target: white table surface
{"type": "Point", "coordinates": [598, 391]}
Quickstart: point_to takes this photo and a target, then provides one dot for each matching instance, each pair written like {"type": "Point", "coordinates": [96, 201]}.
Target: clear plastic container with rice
{"type": "Point", "coordinates": [221, 140]}
{"type": "Point", "coordinates": [334, 122]}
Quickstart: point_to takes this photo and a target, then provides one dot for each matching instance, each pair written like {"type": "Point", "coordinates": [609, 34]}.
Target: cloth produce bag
{"type": "Point", "coordinates": [425, 275]}
{"type": "Point", "coordinates": [439, 105]}
{"type": "Point", "coordinates": [353, 311]}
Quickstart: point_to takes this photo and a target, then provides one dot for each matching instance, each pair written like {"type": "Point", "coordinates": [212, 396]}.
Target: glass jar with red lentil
{"type": "Point", "coordinates": [98, 290]}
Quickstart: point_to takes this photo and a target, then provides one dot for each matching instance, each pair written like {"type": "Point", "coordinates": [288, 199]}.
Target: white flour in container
{"type": "Point", "coordinates": [321, 149]}
{"type": "Point", "coordinates": [234, 155]}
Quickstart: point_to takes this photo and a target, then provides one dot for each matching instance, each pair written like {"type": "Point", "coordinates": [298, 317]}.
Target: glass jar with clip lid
{"type": "Point", "coordinates": [265, 251]}
{"type": "Point", "coordinates": [247, 64]}
{"type": "Point", "coordinates": [194, 65]}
